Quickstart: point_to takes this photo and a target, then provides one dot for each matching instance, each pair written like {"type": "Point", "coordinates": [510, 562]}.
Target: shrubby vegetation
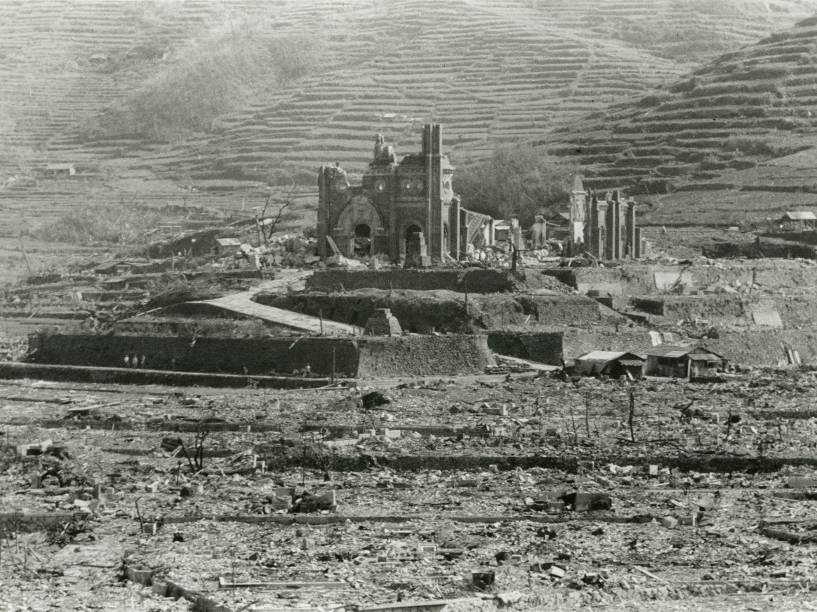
{"type": "Point", "coordinates": [205, 79]}
{"type": "Point", "coordinates": [100, 224]}
{"type": "Point", "coordinates": [518, 180]}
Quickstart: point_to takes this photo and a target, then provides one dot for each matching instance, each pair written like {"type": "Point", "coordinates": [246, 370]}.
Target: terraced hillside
{"type": "Point", "coordinates": [493, 72]}
{"type": "Point", "coordinates": [734, 141]}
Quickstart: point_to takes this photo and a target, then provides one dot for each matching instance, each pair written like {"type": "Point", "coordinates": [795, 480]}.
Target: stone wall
{"type": "Point", "coordinates": [447, 355]}
{"type": "Point", "coordinates": [446, 311]}
{"type": "Point", "coordinates": [206, 354]}
{"type": "Point", "coordinates": [450, 355]}
{"type": "Point", "coordinates": [542, 347]}
{"type": "Point", "coordinates": [473, 280]}
{"type": "Point", "coordinates": [637, 279]}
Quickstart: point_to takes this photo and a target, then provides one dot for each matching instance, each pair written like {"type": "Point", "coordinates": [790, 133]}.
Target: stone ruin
{"type": "Point", "coordinates": [382, 323]}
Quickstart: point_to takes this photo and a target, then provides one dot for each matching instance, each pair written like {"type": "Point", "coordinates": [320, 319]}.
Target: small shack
{"type": "Point", "coordinates": [675, 361]}
{"type": "Point", "coordinates": [609, 363]}
{"type": "Point", "coordinates": [227, 246]}
{"type": "Point", "coordinates": [797, 221]}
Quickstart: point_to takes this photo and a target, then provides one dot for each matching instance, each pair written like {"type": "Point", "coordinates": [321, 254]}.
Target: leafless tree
{"type": "Point", "coordinates": [282, 203]}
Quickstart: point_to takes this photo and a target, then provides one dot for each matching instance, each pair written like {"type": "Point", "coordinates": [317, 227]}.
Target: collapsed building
{"type": "Point", "coordinates": [604, 226]}
{"type": "Point", "coordinates": [405, 209]}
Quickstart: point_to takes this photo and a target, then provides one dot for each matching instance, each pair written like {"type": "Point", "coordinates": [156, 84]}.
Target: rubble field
{"type": "Point", "coordinates": [515, 491]}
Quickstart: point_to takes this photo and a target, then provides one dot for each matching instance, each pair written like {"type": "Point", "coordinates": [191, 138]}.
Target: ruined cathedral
{"type": "Point", "coordinates": [604, 226]}
{"type": "Point", "coordinates": [403, 208]}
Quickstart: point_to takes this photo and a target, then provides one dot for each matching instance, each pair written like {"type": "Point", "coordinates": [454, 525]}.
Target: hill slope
{"type": "Point", "coordinates": [735, 140]}
{"type": "Point", "coordinates": [121, 90]}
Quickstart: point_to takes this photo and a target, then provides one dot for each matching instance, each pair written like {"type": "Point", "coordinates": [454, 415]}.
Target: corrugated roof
{"type": "Point", "coordinates": [675, 351]}
{"type": "Point", "coordinates": [601, 356]}
{"type": "Point", "coordinates": [670, 350]}
{"type": "Point", "coordinates": [708, 356]}
{"type": "Point", "coordinates": [800, 215]}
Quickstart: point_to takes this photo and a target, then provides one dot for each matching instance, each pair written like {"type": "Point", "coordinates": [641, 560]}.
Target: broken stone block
{"type": "Point", "coordinates": [170, 444]}
{"type": "Point", "coordinates": [652, 470]}
{"type": "Point", "coordinates": [801, 482]}
{"type": "Point", "coordinates": [382, 323]}
{"type": "Point", "coordinates": [37, 448]}
{"type": "Point", "coordinates": [483, 579]}
{"type": "Point", "coordinates": [670, 522]}
{"type": "Point", "coordinates": [551, 506]}
{"type": "Point", "coordinates": [557, 571]}
{"type": "Point", "coordinates": [315, 503]}
{"type": "Point", "coordinates": [374, 399]}
{"type": "Point", "coordinates": [593, 579]}
{"type": "Point", "coordinates": [584, 502]}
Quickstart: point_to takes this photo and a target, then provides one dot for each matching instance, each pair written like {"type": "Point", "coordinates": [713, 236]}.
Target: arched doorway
{"type": "Point", "coordinates": [363, 240]}
{"type": "Point", "coordinates": [414, 247]}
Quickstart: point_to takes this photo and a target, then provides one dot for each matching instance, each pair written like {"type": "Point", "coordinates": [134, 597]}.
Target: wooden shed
{"type": "Point", "coordinates": [675, 361]}
{"type": "Point", "coordinates": [609, 363]}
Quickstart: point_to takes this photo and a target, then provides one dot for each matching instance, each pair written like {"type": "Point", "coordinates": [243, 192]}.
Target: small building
{"type": "Point", "coordinates": [609, 363]}
{"type": "Point", "coordinates": [61, 169]}
{"type": "Point", "coordinates": [227, 246]}
{"type": "Point", "coordinates": [797, 220]}
{"type": "Point", "coordinates": [675, 361]}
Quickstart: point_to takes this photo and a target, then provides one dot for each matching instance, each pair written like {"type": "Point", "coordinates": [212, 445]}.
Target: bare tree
{"type": "Point", "coordinates": [282, 203]}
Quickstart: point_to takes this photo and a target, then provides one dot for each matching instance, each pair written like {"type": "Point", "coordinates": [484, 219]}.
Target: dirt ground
{"type": "Point", "coordinates": [445, 478]}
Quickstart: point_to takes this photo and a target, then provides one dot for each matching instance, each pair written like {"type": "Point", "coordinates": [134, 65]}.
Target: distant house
{"type": "Point", "coordinates": [609, 363]}
{"type": "Point", "coordinates": [797, 220]}
{"type": "Point", "coordinates": [61, 169]}
{"type": "Point", "coordinates": [691, 362]}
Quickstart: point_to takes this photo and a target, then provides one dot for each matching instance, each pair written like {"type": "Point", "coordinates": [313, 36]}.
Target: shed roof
{"type": "Point", "coordinates": [676, 351]}
{"type": "Point", "coordinates": [607, 356]}
{"type": "Point", "coordinates": [228, 242]}
{"type": "Point", "coordinates": [800, 215]}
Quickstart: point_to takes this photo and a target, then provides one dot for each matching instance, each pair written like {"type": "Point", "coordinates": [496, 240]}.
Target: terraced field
{"type": "Point", "coordinates": [492, 72]}
{"type": "Point", "coordinates": [732, 142]}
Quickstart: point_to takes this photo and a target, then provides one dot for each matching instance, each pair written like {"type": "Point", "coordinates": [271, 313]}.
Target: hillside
{"type": "Point", "coordinates": [734, 141]}
{"type": "Point", "coordinates": [174, 102]}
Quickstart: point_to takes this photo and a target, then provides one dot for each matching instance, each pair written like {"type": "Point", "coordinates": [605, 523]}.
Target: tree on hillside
{"type": "Point", "coordinates": [517, 180]}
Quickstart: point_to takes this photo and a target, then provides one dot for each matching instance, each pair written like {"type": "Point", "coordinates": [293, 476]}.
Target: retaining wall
{"type": "Point", "coordinates": [750, 347]}
{"type": "Point", "coordinates": [796, 312]}
{"type": "Point", "coordinates": [452, 355]}
{"type": "Point", "coordinates": [445, 311]}
{"type": "Point", "coordinates": [542, 347]}
{"type": "Point", "coordinates": [641, 279]}
{"type": "Point", "coordinates": [206, 354]}
{"type": "Point", "coordinates": [448, 355]}
{"type": "Point", "coordinates": [476, 280]}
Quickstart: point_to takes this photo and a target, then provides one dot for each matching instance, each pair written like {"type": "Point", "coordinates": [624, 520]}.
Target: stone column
{"type": "Point", "coordinates": [630, 239]}
{"type": "Point", "coordinates": [616, 229]}
{"type": "Point", "coordinates": [454, 229]}
{"type": "Point", "coordinates": [609, 225]}
{"type": "Point", "coordinates": [323, 212]}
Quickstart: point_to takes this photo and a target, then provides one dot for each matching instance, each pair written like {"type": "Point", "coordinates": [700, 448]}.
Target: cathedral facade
{"type": "Point", "coordinates": [404, 208]}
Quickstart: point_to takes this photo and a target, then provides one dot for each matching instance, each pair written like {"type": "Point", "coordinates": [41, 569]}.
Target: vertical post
{"type": "Point", "coordinates": [258, 229]}
{"type": "Point", "coordinates": [333, 363]}
{"type": "Point", "coordinates": [320, 314]}
{"type": "Point", "coordinates": [25, 255]}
